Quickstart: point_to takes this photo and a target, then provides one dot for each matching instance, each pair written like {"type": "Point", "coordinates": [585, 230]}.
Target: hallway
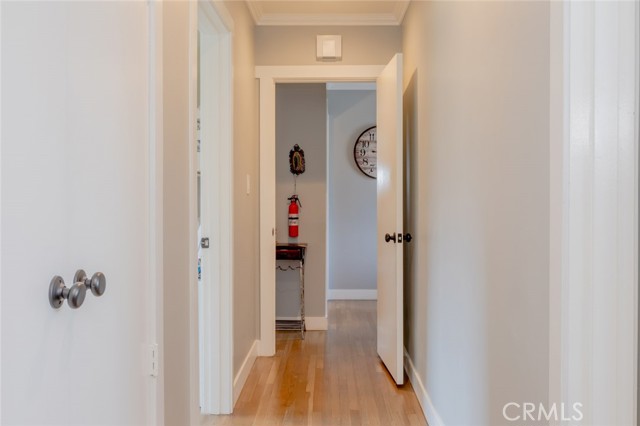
{"type": "Point", "coordinates": [331, 378]}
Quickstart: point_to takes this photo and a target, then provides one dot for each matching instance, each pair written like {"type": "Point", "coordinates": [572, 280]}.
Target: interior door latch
{"type": "Point", "coordinates": [204, 242]}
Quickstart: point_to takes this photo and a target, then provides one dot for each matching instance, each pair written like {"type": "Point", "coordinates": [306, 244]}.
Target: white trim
{"type": "Point", "coordinates": [327, 207]}
{"type": "Point", "coordinates": [213, 22]}
{"type": "Point", "coordinates": [636, 354]}
{"type": "Point", "coordinates": [155, 309]}
{"type": "Point", "coordinates": [355, 294]}
{"type": "Point", "coordinates": [194, 365]}
{"type": "Point", "coordinates": [1, 217]}
{"type": "Point", "coordinates": [556, 192]}
{"type": "Point", "coordinates": [352, 86]}
{"type": "Point", "coordinates": [255, 8]}
{"type": "Point", "coordinates": [401, 10]}
{"type": "Point", "coordinates": [267, 345]}
{"type": "Point", "coordinates": [311, 323]}
{"type": "Point", "coordinates": [600, 212]}
{"type": "Point", "coordinates": [429, 410]}
{"type": "Point", "coordinates": [304, 19]}
{"type": "Point", "coordinates": [269, 76]}
{"type": "Point", "coordinates": [243, 372]}
{"type": "Point", "coordinates": [222, 18]}
{"type": "Point", "coordinates": [316, 323]}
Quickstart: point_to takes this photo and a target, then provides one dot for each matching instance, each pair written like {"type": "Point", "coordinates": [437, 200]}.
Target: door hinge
{"type": "Point", "coordinates": [153, 360]}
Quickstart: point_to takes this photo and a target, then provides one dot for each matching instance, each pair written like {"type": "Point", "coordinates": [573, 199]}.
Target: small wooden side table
{"type": "Point", "coordinates": [293, 251]}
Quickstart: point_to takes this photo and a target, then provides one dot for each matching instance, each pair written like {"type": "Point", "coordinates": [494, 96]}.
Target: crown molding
{"type": "Point", "coordinates": [255, 8]}
{"type": "Point", "coordinates": [401, 10]}
{"type": "Point", "coordinates": [261, 18]}
{"type": "Point", "coordinates": [287, 19]}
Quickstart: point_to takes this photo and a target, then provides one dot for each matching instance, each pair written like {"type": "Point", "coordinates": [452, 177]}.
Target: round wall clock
{"type": "Point", "coordinates": [365, 152]}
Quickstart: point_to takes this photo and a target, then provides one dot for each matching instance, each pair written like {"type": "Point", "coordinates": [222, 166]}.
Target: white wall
{"type": "Point", "coordinates": [477, 124]}
{"type": "Point", "coordinates": [352, 196]}
{"type": "Point", "coordinates": [301, 111]}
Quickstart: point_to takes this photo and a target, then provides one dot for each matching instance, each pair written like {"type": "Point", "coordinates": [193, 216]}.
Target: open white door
{"type": "Point", "coordinates": [76, 194]}
{"type": "Point", "coordinates": [390, 204]}
{"type": "Point", "coordinates": [215, 193]}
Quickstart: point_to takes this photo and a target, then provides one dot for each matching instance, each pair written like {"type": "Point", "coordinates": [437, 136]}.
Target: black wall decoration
{"type": "Point", "coordinates": [365, 152]}
{"type": "Point", "coordinates": [296, 160]}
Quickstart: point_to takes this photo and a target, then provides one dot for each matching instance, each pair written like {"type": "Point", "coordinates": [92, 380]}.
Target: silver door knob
{"type": "Point", "coordinates": [97, 283]}
{"type": "Point", "coordinates": [58, 292]}
{"type": "Point", "coordinates": [75, 295]}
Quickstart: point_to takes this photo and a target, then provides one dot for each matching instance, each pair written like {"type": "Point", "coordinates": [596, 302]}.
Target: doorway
{"type": "Point", "coordinates": [388, 79]}
{"type": "Point", "coordinates": [337, 220]}
{"type": "Point", "coordinates": [269, 76]}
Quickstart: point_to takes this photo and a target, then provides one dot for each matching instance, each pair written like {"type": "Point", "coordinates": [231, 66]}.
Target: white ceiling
{"type": "Point", "coordinates": [328, 12]}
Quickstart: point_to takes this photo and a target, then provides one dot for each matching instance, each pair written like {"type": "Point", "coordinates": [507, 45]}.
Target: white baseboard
{"type": "Point", "coordinates": [243, 373]}
{"type": "Point", "coordinates": [335, 294]}
{"type": "Point", "coordinates": [430, 413]}
{"type": "Point", "coordinates": [316, 323]}
{"type": "Point", "coordinates": [312, 323]}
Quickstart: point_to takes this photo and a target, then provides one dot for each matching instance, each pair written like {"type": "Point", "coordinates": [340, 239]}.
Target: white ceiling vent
{"type": "Point", "coordinates": [329, 47]}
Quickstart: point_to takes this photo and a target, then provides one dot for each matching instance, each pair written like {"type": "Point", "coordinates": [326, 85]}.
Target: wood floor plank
{"type": "Point", "coordinates": [332, 378]}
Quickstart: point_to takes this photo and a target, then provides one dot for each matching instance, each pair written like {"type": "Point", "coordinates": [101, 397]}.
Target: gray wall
{"type": "Point", "coordinates": [477, 126]}
{"type": "Point", "coordinates": [352, 195]}
{"type": "Point", "coordinates": [296, 45]}
{"type": "Point", "coordinates": [246, 211]}
{"type": "Point", "coordinates": [301, 111]}
{"type": "Point", "coordinates": [176, 355]}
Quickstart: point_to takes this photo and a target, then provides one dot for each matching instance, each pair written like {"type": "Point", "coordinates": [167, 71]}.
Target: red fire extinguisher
{"type": "Point", "coordinates": [293, 215]}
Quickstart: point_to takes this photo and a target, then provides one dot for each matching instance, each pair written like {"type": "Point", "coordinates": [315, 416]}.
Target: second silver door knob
{"type": "Point", "coordinates": [97, 284]}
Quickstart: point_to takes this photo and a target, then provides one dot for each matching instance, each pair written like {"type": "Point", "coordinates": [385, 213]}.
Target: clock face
{"type": "Point", "coordinates": [365, 152]}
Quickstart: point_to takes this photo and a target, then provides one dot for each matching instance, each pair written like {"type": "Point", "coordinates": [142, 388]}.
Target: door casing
{"type": "Point", "coordinates": [215, 25]}
{"type": "Point", "coordinates": [269, 76]}
{"type": "Point", "coordinates": [593, 324]}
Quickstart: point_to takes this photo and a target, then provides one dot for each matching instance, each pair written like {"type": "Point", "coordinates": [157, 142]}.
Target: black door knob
{"type": "Point", "coordinates": [407, 238]}
{"type": "Point", "coordinates": [388, 237]}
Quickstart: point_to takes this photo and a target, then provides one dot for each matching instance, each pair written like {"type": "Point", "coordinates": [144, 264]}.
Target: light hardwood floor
{"type": "Point", "coordinates": [331, 378]}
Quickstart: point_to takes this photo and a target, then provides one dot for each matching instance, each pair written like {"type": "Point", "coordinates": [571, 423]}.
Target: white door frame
{"type": "Point", "coordinates": [215, 24]}
{"type": "Point", "coordinates": [594, 209]}
{"type": "Point", "coordinates": [1, 212]}
{"type": "Point", "coordinates": [269, 76]}
{"type": "Point", "coordinates": [155, 309]}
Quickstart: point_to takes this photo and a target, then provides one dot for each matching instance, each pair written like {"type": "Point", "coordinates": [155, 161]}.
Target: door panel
{"type": "Point", "coordinates": [390, 218]}
{"type": "Point", "coordinates": [75, 194]}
